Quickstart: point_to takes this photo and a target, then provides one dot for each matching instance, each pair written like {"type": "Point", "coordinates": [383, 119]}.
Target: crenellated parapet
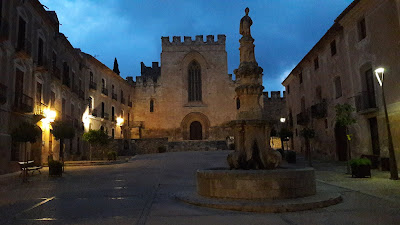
{"type": "Point", "coordinates": [274, 95]}
{"type": "Point", "coordinates": [187, 41]}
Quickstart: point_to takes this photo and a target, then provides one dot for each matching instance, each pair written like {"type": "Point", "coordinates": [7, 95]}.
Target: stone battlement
{"type": "Point", "coordinates": [275, 95]}
{"type": "Point", "coordinates": [199, 40]}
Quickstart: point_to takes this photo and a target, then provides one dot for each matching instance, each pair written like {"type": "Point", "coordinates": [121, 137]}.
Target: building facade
{"type": "Point", "coordinates": [340, 69]}
{"type": "Point", "coordinates": [44, 78]}
{"type": "Point", "coordinates": [191, 97]}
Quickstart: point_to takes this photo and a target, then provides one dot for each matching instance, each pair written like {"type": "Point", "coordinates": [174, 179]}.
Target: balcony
{"type": "Point", "coordinates": [24, 49]}
{"type": "Point", "coordinates": [56, 73]}
{"type": "Point", "coordinates": [81, 94]}
{"type": "Point", "coordinates": [104, 91]}
{"type": "Point", "coordinates": [23, 103]}
{"type": "Point", "coordinates": [4, 30]}
{"type": "Point", "coordinates": [39, 108]}
{"type": "Point", "coordinates": [123, 100]}
{"type": "Point", "coordinates": [114, 96]}
{"type": "Point", "coordinates": [94, 112]}
{"type": "Point", "coordinates": [303, 118]}
{"type": "Point", "coordinates": [66, 81]}
{"type": "Point", "coordinates": [130, 104]}
{"type": "Point", "coordinates": [105, 116]}
{"type": "Point", "coordinates": [92, 85]}
{"type": "Point", "coordinates": [365, 103]}
{"type": "Point", "coordinates": [319, 110]}
{"type": "Point", "coordinates": [42, 65]}
{"type": "Point", "coordinates": [3, 94]}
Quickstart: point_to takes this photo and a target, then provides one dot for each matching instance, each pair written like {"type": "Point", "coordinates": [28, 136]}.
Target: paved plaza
{"type": "Point", "coordinates": [142, 191]}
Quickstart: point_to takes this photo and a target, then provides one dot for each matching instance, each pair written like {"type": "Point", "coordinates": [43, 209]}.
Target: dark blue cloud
{"type": "Point", "coordinates": [284, 31]}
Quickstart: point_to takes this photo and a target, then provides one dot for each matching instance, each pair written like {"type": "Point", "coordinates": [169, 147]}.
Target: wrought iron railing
{"type": "Point", "coordinates": [23, 103]}
{"type": "Point", "coordinates": [104, 91]}
{"type": "Point", "coordinates": [365, 101]}
{"type": "Point", "coordinates": [92, 85]}
{"type": "Point", "coordinates": [114, 96]}
{"type": "Point", "coordinates": [319, 110]}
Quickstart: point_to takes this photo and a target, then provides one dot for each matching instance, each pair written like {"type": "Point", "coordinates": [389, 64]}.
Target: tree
{"type": "Point", "coordinates": [285, 134]}
{"type": "Point", "coordinates": [96, 139]}
{"type": "Point", "coordinates": [345, 119]}
{"type": "Point", "coordinates": [307, 134]}
{"type": "Point", "coordinates": [116, 67]}
{"type": "Point", "coordinates": [26, 132]}
{"type": "Point", "coordinates": [62, 130]}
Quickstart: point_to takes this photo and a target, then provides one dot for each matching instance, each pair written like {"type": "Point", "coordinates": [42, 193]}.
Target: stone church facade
{"type": "Point", "coordinates": [191, 97]}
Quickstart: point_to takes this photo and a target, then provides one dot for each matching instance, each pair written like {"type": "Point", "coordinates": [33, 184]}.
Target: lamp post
{"type": "Point", "coordinates": [283, 120]}
{"type": "Point", "coordinates": [392, 158]}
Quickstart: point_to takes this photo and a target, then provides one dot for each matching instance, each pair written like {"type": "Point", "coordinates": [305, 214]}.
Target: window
{"type": "Point", "coordinates": [362, 29]}
{"type": "Point", "coordinates": [91, 77]}
{"type": "Point", "coordinates": [237, 103]}
{"type": "Point", "coordinates": [53, 100]}
{"type": "Point", "coordinates": [296, 133]}
{"type": "Point", "coordinates": [112, 133]}
{"type": "Point", "coordinates": [112, 114]}
{"type": "Point", "coordinates": [63, 106]}
{"type": "Point", "coordinates": [316, 63]}
{"type": "Point", "coordinates": [151, 105]}
{"type": "Point", "coordinates": [103, 83]}
{"type": "Point", "coordinates": [333, 48]}
{"type": "Point", "coordinates": [129, 117]}
{"type": "Point", "coordinates": [301, 77]}
{"type": "Point", "coordinates": [102, 109]}
{"type": "Point", "coordinates": [338, 87]}
{"type": "Point", "coordinates": [112, 89]}
{"type": "Point", "coordinates": [40, 52]}
{"type": "Point", "coordinates": [38, 94]}
{"type": "Point", "coordinates": [21, 34]}
{"type": "Point", "coordinates": [326, 123]}
{"type": "Point", "coordinates": [318, 94]}
{"type": "Point", "coordinates": [303, 104]}
{"type": "Point", "coordinates": [288, 89]}
{"type": "Point", "coordinates": [194, 82]}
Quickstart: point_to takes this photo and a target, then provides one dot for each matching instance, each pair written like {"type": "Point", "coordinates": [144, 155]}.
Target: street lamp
{"type": "Point", "coordinates": [392, 158]}
{"type": "Point", "coordinates": [283, 119]}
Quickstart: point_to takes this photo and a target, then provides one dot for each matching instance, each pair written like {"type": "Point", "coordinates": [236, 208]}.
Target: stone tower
{"type": "Point", "coordinates": [251, 131]}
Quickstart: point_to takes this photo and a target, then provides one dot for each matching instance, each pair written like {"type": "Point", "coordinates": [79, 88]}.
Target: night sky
{"type": "Point", "coordinates": [131, 30]}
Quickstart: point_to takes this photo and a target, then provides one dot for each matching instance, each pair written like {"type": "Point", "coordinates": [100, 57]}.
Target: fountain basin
{"type": "Point", "coordinates": [256, 184]}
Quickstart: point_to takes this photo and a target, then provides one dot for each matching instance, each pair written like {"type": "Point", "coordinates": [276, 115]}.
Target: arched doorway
{"type": "Point", "coordinates": [196, 131]}
{"type": "Point", "coordinates": [341, 142]}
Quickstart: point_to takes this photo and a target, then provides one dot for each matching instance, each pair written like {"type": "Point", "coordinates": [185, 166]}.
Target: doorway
{"type": "Point", "coordinates": [373, 126]}
{"type": "Point", "coordinates": [341, 142]}
{"type": "Point", "coordinates": [196, 131]}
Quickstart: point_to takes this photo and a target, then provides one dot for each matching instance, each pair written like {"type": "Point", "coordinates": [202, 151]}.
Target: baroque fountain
{"type": "Point", "coordinates": [255, 180]}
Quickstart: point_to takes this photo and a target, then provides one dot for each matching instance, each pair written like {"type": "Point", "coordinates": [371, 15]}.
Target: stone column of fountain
{"type": "Point", "coordinates": [251, 131]}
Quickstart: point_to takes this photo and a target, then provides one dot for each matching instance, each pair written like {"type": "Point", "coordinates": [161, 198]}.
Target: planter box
{"type": "Point", "coordinates": [55, 169]}
{"type": "Point", "coordinates": [361, 171]}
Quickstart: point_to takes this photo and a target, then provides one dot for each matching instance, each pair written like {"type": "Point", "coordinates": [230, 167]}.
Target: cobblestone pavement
{"type": "Point", "coordinates": [142, 192]}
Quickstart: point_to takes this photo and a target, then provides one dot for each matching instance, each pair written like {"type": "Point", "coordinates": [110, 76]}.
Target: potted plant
{"type": "Point", "coordinates": [55, 168]}
{"type": "Point", "coordinates": [360, 168]}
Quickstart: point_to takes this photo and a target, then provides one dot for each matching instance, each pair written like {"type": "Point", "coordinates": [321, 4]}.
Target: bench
{"type": "Point", "coordinates": [29, 166]}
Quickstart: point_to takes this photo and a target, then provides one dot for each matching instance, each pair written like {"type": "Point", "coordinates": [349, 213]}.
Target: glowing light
{"type": "Point", "coordinates": [86, 118]}
{"type": "Point", "coordinates": [120, 121]}
{"type": "Point", "coordinates": [49, 116]}
{"type": "Point", "coordinates": [379, 75]}
{"type": "Point", "coordinates": [283, 120]}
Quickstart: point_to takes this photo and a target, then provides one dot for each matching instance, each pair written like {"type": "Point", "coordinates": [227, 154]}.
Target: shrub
{"type": "Point", "coordinates": [162, 149]}
{"type": "Point", "coordinates": [290, 156]}
{"type": "Point", "coordinates": [360, 162]}
{"type": "Point", "coordinates": [112, 155]}
{"type": "Point", "coordinates": [55, 168]}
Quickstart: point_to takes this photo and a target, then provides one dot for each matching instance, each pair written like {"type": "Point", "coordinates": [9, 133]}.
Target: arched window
{"type": "Point", "coordinates": [151, 105]}
{"type": "Point", "coordinates": [194, 82]}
